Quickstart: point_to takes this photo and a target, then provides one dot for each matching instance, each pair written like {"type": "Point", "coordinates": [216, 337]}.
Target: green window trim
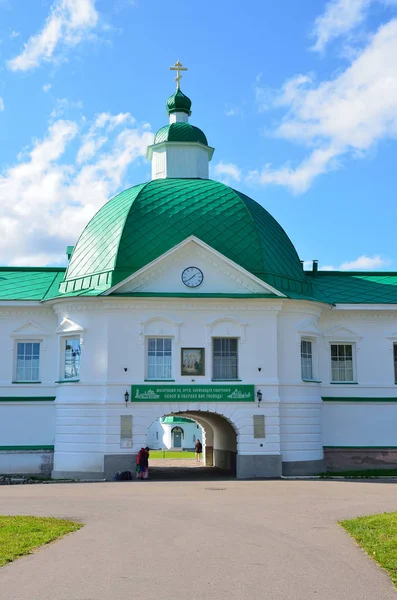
{"type": "Point", "coordinates": [343, 382]}
{"type": "Point", "coordinates": [357, 399]}
{"type": "Point", "coordinates": [360, 448]}
{"type": "Point", "coordinates": [68, 381]}
{"type": "Point", "coordinates": [40, 447]}
{"type": "Point", "coordinates": [25, 382]}
{"type": "Point", "coordinates": [311, 380]}
{"type": "Point", "coordinates": [27, 398]}
{"type": "Point", "coordinates": [226, 380]}
{"type": "Point", "coordinates": [160, 380]}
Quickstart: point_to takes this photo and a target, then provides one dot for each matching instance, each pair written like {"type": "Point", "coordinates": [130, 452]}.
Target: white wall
{"type": "Point", "coordinates": [180, 161]}
{"type": "Point", "coordinates": [269, 331]}
{"type": "Point", "coordinates": [25, 463]}
{"type": "Point", "coordinates": [159, 435]}
{"type": "Point", "coordinates": [359, 424]}
{"type": "Point", "coordinates": [27, 423]}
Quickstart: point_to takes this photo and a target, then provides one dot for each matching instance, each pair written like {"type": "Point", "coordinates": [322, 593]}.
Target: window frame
{"type": "Point", "coordinates": [218, 337]}
{"type": "Point", "coordinates": [314, 377]}
{"type": "Point", "coordinates": [63, 339]}
{"type": "Point", "coordinates": [395, 361]}
{"type": "Point", "coordinates": [354, 361]}
{"type": "Point", "coordinates": [15, 362]}
{"type": "Point", "coordinates": [157, 337]}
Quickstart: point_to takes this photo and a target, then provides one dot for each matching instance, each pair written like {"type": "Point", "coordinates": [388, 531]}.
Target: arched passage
{"type": "Point", "coordinates": [219, 439]}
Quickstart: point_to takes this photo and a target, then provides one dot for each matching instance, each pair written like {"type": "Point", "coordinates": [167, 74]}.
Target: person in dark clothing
{"type": "Point", "coordinates": [199, 449]}
{"type": "Point", "coordinates": [142, 464]}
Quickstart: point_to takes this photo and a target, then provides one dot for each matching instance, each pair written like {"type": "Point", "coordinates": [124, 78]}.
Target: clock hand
{"type": "Point", "coordinates": [187, 281]}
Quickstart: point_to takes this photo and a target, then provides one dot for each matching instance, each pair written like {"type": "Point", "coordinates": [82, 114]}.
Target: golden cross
{"type": "Point", "coordinates": [178, 67]}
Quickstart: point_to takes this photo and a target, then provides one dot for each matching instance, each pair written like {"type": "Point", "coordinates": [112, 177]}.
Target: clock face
{"type": "Point", "coordinates": [192, 277]}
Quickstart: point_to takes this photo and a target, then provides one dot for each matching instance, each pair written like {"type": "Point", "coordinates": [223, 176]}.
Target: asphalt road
{"type": "Point", "coordinates": [234, 540]}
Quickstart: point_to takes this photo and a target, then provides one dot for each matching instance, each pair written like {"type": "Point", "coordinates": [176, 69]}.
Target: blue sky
{"type": "Point", "coordinates": [299, 100]}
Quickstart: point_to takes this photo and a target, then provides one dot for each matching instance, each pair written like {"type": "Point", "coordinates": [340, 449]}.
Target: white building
{"type": "Point", "coordinates": [187, 299]}
{"type": "Point", "coordinates": [174, 433]}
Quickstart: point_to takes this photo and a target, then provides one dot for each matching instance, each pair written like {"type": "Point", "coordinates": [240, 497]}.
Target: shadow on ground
{"type": "Point", "coordinates": [158, 473]}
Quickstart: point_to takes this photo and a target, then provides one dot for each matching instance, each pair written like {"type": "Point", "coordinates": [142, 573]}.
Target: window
{"type": "Point", "coordinates": [159, 365]}
{"type": "Point", "coordinates": [307, 359]}
{"type": "Point", "coordinates": [28, 359]}
{"type": "Point", "coordinates": [72, 358]}
{"type": "Point", "coordinates": [395, 362]}
{"type": "Point", "coordinates": [342, 362]}
{"type": "Point", "coordinates": [224, 358]}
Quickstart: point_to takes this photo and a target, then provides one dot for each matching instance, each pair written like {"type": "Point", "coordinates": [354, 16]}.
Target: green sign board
{"type": "Point", "coordinates": [192, 393]}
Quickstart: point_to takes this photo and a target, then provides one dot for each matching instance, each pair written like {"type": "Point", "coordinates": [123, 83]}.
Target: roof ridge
{"type": "Point", "coordinates": [363, 273]}
{"type": "Point", "coordinates": [33, 269]}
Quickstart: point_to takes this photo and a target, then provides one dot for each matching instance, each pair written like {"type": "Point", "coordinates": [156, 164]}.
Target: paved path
{"type": "Point", "coordinates": [161, 469]}
{"type": "Point", "coordinates": [234, 540]}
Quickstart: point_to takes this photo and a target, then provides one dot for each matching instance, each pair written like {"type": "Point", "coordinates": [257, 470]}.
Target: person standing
{"type": "Point", "coordinates": [147, 450]}
{"type": "Point", "coordinates": [199, 449]}
{"type": "Point", "coordinates": [142, 463]}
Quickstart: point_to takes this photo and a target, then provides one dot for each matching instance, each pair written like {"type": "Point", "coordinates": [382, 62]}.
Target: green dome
{"type": "Point", "coordinates": [178, 102]}
{"type": "Point", "coordinates": [140, 224]}
{"type": "Point", "coordinates": [180, 132]}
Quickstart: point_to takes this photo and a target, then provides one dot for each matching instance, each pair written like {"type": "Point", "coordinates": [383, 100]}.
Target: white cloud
{"type": "Point", "coordinates": [233, 111]}
{"type": "Point", "coordinates": [340, 18]}
{"type": "Point", "coordinates": [47, 87]}
{"type": "Point", "coordinates": [345, 115]}
{"type": "Point", "coordinates": [94, 140]}
{"type": "Point", "coordinates": [363, 263]}
{"type": "Point", "coordinates": [63, 105]}
{"type": "Point", "coordinates": [226, 172]}
{"type": "Point", "coordinates": [69, 23]}
{"type": "Point", "coordinates": [14, 34]}
{"type": "Point", "coordinates": [47, 200]}
{"type": "Point", "coordinates": [1, 104]}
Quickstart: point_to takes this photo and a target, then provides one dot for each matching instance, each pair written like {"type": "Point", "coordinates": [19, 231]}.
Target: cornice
{"type": "Point", "coordinates": [25, 312]}
{"type": "Point", "coordinates": [148, 304]}
{"type": "Point", "coordinates": [350, 316]}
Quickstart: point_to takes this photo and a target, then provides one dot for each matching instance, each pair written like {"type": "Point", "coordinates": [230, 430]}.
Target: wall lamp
{"type": "Point", "coordinates": [126, 398]}
{"type": "Point", "coordinates": [259, 397]}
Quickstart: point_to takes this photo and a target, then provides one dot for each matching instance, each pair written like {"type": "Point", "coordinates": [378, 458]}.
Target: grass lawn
{"type": "Point", "coordinates": [170, 454]}
{"type": "Point", "coordinates": [377, 535]}
{"type": "Point", "coordinates": [20, 535]}
{"type": "Point", "coordinates": [363, 474]}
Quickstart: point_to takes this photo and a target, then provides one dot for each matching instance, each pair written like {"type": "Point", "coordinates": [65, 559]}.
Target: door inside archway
{"type": "Point", "coordinates": [177, 435]}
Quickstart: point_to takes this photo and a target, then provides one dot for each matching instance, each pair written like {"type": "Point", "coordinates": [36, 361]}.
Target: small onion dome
{"type": "Point", "coordinates": [180, 132]}
{"type": "Point", "coordinates": [178, 102]}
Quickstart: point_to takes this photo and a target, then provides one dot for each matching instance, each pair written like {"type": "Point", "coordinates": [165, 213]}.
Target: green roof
{"type": "Point", "coordinates": [27, 283]}
{"type": "Point", "coordinates": [171, 420]}
{"type": "Point", "coordinates": [143, 222]}
{"type": "Point", "coordinates": [178, 102]}
{"type": "Point", "coordinates": [331, 287]}
{"type": "Point", "coordinates": [180, 132]}
{"type": "Point", "coordinates": [354, 287]}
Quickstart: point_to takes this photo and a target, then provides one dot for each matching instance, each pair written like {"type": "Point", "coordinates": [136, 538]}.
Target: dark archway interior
{"type": "Point", "coordinates": [219, 450]}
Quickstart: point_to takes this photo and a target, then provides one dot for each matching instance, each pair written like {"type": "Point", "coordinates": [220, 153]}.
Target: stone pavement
{"type": "Point", "coordinates": [203, 540]}
{"type": "Point", "coordinates": [186, 469]}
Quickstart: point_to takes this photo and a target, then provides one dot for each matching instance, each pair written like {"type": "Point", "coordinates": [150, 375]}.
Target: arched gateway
{"type": "Point", "coordinates": [220, 437]}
